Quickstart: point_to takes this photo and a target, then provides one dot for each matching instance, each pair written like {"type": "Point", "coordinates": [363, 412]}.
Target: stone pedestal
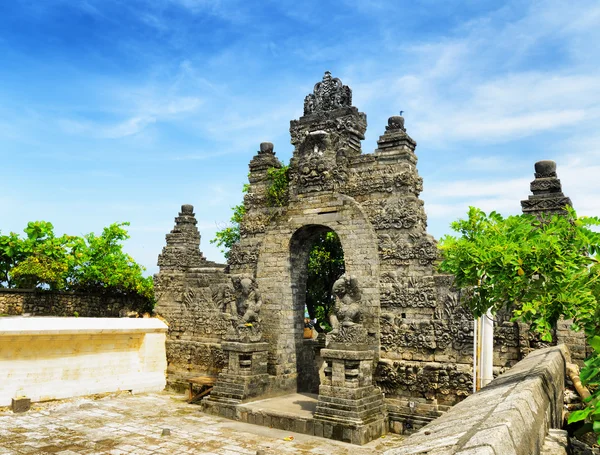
{"type": "Point", "coordinates": [350, 407]}
{"type": "Point", "coordinates": [244, 377]}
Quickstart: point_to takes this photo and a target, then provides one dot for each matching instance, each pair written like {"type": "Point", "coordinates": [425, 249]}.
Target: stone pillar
{"type": "Point", "coordinates": [350, 407]}
{"type": "Point", "coordinates": [547, 197]}
{"type": "Point", "coordinates": [395, 143]}
{"type": "Point", "coordinates": [244, 377]}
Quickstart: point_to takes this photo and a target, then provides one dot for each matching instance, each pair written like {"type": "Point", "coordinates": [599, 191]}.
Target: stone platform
{"type": "Point", "coordinates": [293, 412]}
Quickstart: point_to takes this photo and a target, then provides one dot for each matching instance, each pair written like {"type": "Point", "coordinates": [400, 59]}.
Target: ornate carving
{"type": "Point", "coordinates": [426, 379]}
{"type": "Point", "coordinates": [328, 95]}
{"type": "Point", "coordinates": [355, 334]}
{"type": "Point", "coordinates": [314, 172]}
{"type": "Point", "coordinates": [410, 292]}
{"type": "Point", "coordinates": [239, 255]}
{"type": "Point", "coordinates": [248, 299]}
{"type": "Point", "coordinates": [395, 250]}
{"type": "Point", "coordinates": [346, 311]}
{"type": "Point", "coordinates": [382, 180]}
{"type": "Point", "coordinates": [246, 324]}
{"type": "Point", "coordinates": [545, 205]}
{"type": "Point", "coordinates": [253, 224]}
{"type": "Point", "coordinates": [396, 213]}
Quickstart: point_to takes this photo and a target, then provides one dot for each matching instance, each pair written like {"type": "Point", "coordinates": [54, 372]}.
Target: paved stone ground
{"type": "Point", "coordinates": [125, 424]}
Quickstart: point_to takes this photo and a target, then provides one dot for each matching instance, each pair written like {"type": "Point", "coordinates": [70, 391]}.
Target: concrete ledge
{"type": "Point", "coordinates": [72, 326]}
{"type": "Point", "coordinates": [511, 415]}
{"type": "Point", "coordinates": [55, 358]}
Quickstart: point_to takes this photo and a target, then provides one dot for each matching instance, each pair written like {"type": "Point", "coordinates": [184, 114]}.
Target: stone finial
{"type": "Point", "coordinates": [266, 147]}
{"type": "Point", "coordinates": [395, 143]}
{"type": "Point", "coordinates": [262, 161]}
{"type": "Point", "coordinates": [547, 192]}
{"type": "Point", "coordinates": [328, 95]}
{"type": "Point", "coordinates": [545, 169]}
{"type": "Point", "coordinates": [183, 243]}
{"type": "Point", "coordinates": [395, 123]}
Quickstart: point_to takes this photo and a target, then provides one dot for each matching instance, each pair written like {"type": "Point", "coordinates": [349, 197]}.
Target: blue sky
{"type": "Point", "coordinates": [122, 110]}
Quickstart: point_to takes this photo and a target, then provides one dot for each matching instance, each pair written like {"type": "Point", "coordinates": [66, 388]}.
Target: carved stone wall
{"type": "Point", "coordinates": [191, 293]}
{"type": "Point", "coordinates": [421, 336]}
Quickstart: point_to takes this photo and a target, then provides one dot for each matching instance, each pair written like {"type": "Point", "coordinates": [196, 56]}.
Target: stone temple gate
{"type": "Point", "coordinates": [401, 329]}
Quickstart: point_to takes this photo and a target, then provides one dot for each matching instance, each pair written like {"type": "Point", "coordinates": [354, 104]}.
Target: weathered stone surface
{"type": "Point", "coordinates": [392, 302]}
{"type": "Point", "coordinates": [36, 302]}
{"type": "Point", "coordinates": [197, 299]}
{"type": "Point", "coordinates": [547, 197]}
{"type": "Point", "coordinates": [511, 415]}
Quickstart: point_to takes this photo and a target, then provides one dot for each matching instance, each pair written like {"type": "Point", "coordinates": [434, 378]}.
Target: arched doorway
{"type": "Point", "coordinates": [316, 262]}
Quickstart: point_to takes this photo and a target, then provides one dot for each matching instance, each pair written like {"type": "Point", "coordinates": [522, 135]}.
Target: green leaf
{"type": "Point", "coordinates": [577, 416]}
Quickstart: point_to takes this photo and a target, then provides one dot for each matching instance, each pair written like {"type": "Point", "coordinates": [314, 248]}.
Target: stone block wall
{"type": "Point", "coordinates": [54, 358]}
{"type": "Point", "coordinates": [511, 415]}
{"type": "Point", "coordinates": [65, 304]}
{"type": "Point", "coordinates": [191, 295]}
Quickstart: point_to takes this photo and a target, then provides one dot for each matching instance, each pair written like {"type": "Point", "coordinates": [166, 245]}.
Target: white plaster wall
{"type": "Point", "coordinates": [45, 358]}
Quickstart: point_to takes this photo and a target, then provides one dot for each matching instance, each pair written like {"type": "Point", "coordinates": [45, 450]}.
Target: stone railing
{"type": "Point", "coordinates": [54, 303]}
{"type": "Point", "coordinates": [511, 415]}
{"type": "Point", "coordinates": [53, 358]}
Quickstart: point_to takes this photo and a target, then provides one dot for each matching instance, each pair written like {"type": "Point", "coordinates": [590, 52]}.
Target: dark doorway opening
{"type": "Point", "coordinates": [317, 261]}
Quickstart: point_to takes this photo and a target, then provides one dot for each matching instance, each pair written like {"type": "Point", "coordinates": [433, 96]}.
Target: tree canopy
{"type": "Point", "coordinates": [90, 263]}
{"type": "Point", "coordinates": [540, 269]}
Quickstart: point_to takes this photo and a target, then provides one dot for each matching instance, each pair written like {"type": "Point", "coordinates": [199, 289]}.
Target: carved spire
{"type": "Point", "coordinates": [262, 161]}
{"type": "Point", "coordinates": [328, 95]}
{"type": "Point", "coordinates": [395, 143]}
{"type": "Point", "coordinates": [183, 243]}
{"type": "Point", "coordinates": [547, 191]}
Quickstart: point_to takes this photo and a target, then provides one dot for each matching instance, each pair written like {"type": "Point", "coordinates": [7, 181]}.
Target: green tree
{"type": "Point", "coordinates": [87, 264]}
{"type": "Point", "coordinates": [540, 270]}
{"type": "Point", "coordinates": [325, 266]}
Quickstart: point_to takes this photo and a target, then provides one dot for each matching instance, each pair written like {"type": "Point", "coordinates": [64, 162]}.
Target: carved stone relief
{"type": "Point", "coordinates": [407, 292]}
{"type": "Point", "coordinates": [396, 213]}
{"type": "Point", "coordinates": [367, 181]}
{"type": "Point", "coordinates": [394, 249]}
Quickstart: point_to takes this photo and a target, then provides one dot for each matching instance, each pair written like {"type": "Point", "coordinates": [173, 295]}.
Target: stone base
{"type": "Point", "coordinates": [350, 408]}
{"type": "Point", "coordinates": [294, 412]}
{"type": "Point", "coordinates": [346, 431]}
{"type": "Point", "coordinates": [245, 376]}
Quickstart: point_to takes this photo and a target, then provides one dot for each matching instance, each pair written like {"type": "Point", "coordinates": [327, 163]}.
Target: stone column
{"type": "Point", "coordinates": [547, 197]}
{"type": "Point", "coordinates": [350, 408]}
{"type": "Point", "coordinates": [245, 375]}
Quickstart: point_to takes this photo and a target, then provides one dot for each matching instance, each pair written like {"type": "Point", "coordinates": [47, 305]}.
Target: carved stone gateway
{"type": "Point", "coordinates": [398, 329]}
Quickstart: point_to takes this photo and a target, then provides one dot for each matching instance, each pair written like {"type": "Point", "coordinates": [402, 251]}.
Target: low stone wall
{"type": "Point", "coordinates": [511, 415]}
{"type": "Point", "coordinates": [52, 303]}
{"type": "Point", "coordinates": [54, 358]}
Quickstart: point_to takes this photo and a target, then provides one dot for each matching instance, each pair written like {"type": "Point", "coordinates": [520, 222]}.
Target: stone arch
{"type": "Point", "coordinates": [278, 280]}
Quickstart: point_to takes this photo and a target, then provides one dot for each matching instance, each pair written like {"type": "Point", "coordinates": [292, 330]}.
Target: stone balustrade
{"type": "Point", "coordinates": [514, 414]}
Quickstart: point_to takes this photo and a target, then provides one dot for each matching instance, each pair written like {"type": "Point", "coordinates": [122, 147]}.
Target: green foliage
{"type": "Point", "coordinates": [277, 195]}
{"type": "Point", "coordinates": [325, 266]}
{"type": "Point", "coordinates": [277, 192]}
{"type": "Point", "coordinates": [230, 235]}
{"type": "Point", "coordinates": [541, 270]}
{"type": "Point", "coordinates": [87, 264]}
